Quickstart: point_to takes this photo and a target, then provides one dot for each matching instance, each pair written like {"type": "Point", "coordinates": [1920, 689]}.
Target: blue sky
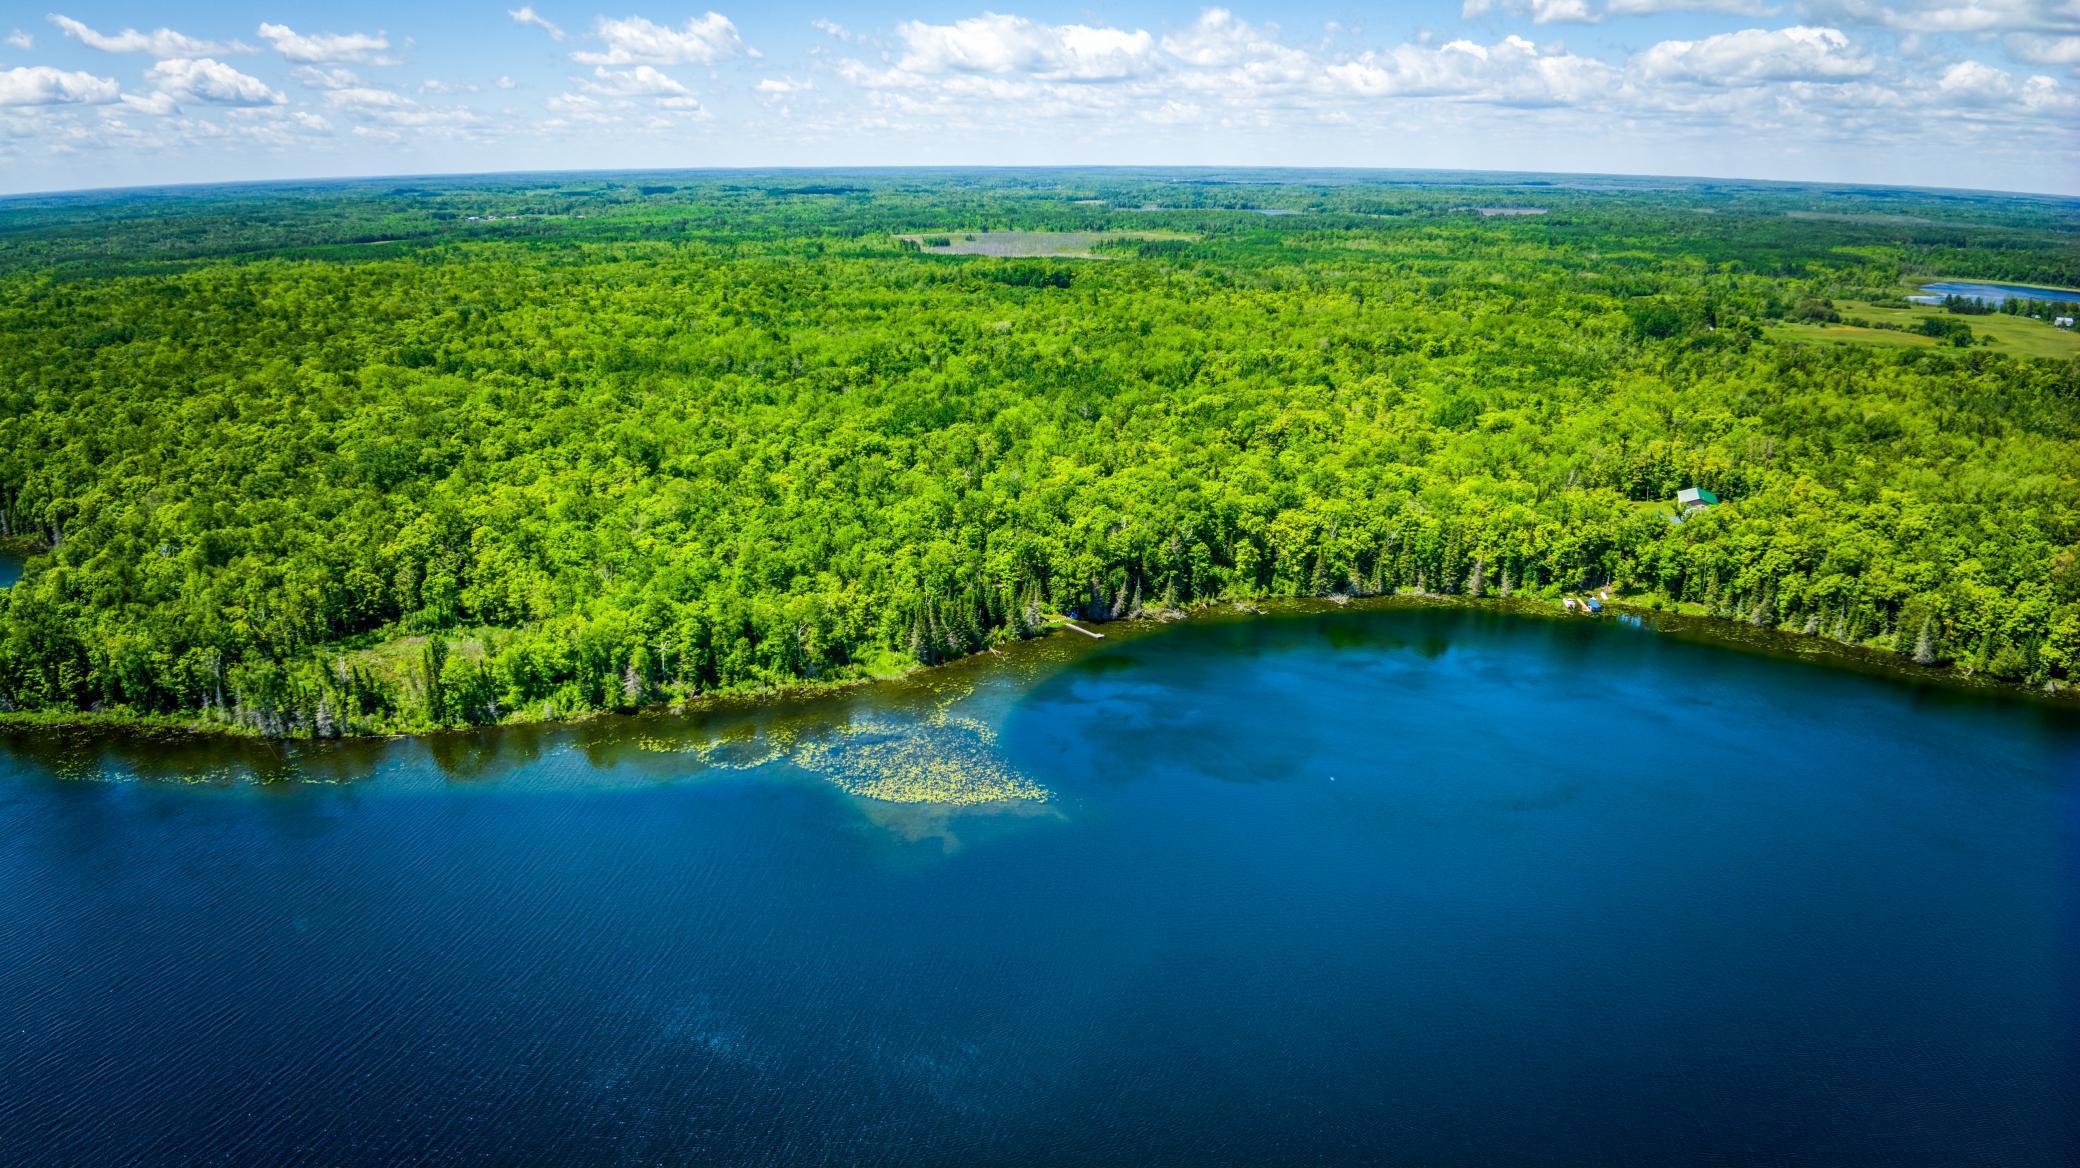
{"type": "Point", "coordinates": [1975, 93]}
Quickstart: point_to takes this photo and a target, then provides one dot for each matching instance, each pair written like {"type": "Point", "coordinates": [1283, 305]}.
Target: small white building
{"type": "Point", "coordinates": [2062, 322]}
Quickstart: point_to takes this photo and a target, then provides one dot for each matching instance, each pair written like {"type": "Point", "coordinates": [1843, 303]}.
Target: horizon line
{"type": "Point", "coordinates": [64, 192]}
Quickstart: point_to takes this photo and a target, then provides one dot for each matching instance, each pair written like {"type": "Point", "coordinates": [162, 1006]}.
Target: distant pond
{"type": "Point", "coordinates": [11, 565]}
{"type": "Point", "coordinates": [1990, 293]}
{"type": "Point", "coordinates": [1439, 887]}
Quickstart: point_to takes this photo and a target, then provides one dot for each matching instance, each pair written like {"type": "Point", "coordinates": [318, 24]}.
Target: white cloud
{"type": "Point", "coordinates": [641, 81]}
{"type": "Point", "coordinates": [162, 42]}
{"type": "Point", "coordinates": [2061, 52]}
{"type": "Point", "coordinates": [395, 111]}
{"type": "Point", "coordinates": [1657, 7]}
{"type": "Point", "coordinates": [211, 81]}
{"type": "Point", "coordinates": [1972, 84]}
{"type": "Point", "coordinates": [1756, 56]}
{"type": "Point", "coordinates": [1888, 85]}
{"type": "Point", "coordinates": [999, 44]}
{"type": "Point", "coordinates": [636, 41]}
{"type": "Point", "coordinates": [367, 97]}
{"type": "Point", "coordinates": [327, 77]}
{"type": "Point", "coordinates": [21, 40]}
{"type": "Point", "coordinates": [525, 14]}
{"type": "Point", "coordinates": [1513, 71]}
{"type": "Point", "coordinates": [36, 85]}
{"type": "Point", "coordinates": [1219, 40]}
{"type": "Point", "coordinates": [1540, 11]}
{"type": "Point", "coordinates": [158, 105]}
{"type": "Point", "coordinates": [1962, 17]}
{"type": "Point", "coordinates": [318, 48]}
{"type": "Point", "coordinates": [1585, 12]}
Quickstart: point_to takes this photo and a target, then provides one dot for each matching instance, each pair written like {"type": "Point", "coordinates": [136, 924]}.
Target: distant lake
{"type": "Point", "coordinates": [1409, 887]}
{"type": "Point", "coordinates": [1990, 293]}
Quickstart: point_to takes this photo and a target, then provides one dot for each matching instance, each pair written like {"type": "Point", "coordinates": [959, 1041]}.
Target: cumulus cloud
{"type": "Point", "coordinates": [391, 111]}
{"type": "Point", "coordinates": [38, 85]}
{"type": "Point", "coordinates": [1752, 56]}
{"type": "Point", "coordinates": [998, 44]}
{"type": "Point", "coordinates": [1513, 71]}
{"type": "Point", "coordinates": [326, 77]}
{"type": "Point", "coordinates": [158, 105]}
{"type": "Point", "coordinates": [1976, 84]}
{"type": "Point", "coordinates": [2062, 52]}
{"type": "Point", "coordinates": [1962, 17]}
{"type": "Point", "coordinates": [162, 42]}
{"type": "Point", "coordinates": [1845, 76]}
{"type": "Point", "coordinates": [368, 97]}
{"type": "Point", "coordinates": [1815, 85]}
{"type": "Point", "coordinates": [1219, 65]}
{"type": "Point", "coordinates": [1218, 39]}
{"type": "Point", "coordinates": [207, 80]}
{"type": "Point", "coordinates": [323, 47]}
{"type": "Point", "coordinates": [1656, 7]}
{"type": "Point", "coordinates": [525, 14]}
{"type": "Point", "coordinates": [636, 41]}
{"type": "Point", "coordinates": [641, 81]}
{"type": "Point", "coordinates": [21, 40]}
{"type": "Point", "coordinates": [1540, 11]}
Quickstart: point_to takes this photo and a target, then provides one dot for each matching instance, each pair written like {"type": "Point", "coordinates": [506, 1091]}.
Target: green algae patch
{"type": "Point", "coordinates": [939, 759]}
{"type": "Point", "coordinates": [945, 760]}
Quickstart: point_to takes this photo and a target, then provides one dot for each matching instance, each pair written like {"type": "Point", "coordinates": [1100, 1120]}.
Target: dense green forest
{"type": "Point", "coordinates": [361, 457]}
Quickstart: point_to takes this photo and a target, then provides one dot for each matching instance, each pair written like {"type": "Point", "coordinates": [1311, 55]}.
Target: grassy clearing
{"type": "Point", "coordinates": [2020, 335]}
{"type": "Point", "coordinates": [2017, 335]}
{"type": "Point", "coordinates": [1029, 244]}
{"type": "Point", "coordinates": [1846, 334]}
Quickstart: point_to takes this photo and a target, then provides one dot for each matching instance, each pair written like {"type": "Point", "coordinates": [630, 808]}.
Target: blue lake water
{"type": "Point", "coordinates": [1990, 293]}
{"type": "Point", "coordinates": [1433, 887]}
{"type": "Point", "coordinates": [10, 568]}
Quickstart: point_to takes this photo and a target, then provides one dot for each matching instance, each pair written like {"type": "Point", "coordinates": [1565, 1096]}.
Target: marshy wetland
{"type": "Point", "coordinates": [1299, 887]}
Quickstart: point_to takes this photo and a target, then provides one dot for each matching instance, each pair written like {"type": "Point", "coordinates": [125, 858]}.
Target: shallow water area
{"type": "Point", "coordinates": [1424, 886]}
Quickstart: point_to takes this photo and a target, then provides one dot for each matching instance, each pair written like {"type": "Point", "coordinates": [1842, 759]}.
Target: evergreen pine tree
{"type": "Point", "coordinates": [1925, 644]}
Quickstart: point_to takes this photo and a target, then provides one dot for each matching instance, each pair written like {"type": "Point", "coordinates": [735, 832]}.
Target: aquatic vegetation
{"type": "Point", "coordinates": [939, 758]}
{"type": "Point", "coordinates": [743, 749]}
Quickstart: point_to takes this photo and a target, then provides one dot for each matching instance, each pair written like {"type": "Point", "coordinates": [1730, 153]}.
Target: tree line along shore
{"type": "Point", "coordinates": [642, 440]}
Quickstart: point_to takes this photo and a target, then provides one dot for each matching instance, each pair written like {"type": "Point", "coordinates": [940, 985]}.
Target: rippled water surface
{"type": "Point", "coordinates": [1406, 887]}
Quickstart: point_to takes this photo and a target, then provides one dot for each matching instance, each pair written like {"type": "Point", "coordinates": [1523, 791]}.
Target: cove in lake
{"type": "Point", "coordinates": [1426, 887]}
{"type": "Point", "coordinates": [1989, 293]}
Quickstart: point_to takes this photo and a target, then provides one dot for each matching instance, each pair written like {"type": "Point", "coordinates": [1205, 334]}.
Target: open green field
{"type": "Point", "coordinates": [2017, 335]}
{"type": "Point", "coordinates": [1077, 245]}
{"type": "Point", "coordinates": [1848, 334]}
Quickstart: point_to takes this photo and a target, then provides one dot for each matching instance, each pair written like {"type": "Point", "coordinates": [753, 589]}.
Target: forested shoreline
{"type": "Point", "coordinates": [620, 441]}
